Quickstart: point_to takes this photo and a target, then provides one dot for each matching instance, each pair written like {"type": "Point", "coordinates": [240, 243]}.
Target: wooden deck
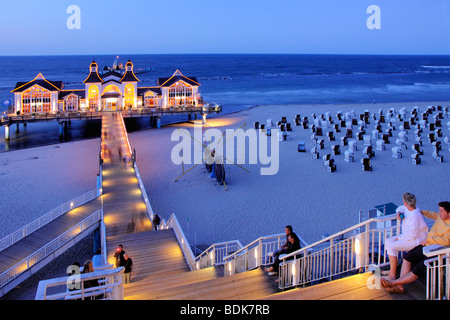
{"type": "Point", "coordinates": [23, 248]}
{"type": "Point", "coordinates": [124, 209]}
{"type": "Point", "coordinates": [350, 288]}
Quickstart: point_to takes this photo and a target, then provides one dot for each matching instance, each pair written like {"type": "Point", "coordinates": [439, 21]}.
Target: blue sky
{"type": "Point", "coordinates": [224, 26]}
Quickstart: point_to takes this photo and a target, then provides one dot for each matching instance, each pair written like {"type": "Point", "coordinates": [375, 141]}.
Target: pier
{"type": "Point", "coordinates": [64, 118]}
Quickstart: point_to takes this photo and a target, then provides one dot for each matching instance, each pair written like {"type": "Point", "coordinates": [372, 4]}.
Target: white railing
{"type": "Point", "coordinates": [350, 250]}
{"type": "Point", "coordinates": [255, 254]}
{"type": "Point", "coordinates": [46, 218]}
{"type": "Point", "coordinates": [215, 254]}
{"type": "Point", "coordinates": [110, 286]}
{"type": "Point", "coordinates": [125, 134]}
{"type": "Point", "coordinates": [143, 192]}
{"type": "Point", "coordinates": [438, 275]}
{"type": "Point", "coordinates": [173, 223]}
{"type": "Point", "coordinates": [49, 248]}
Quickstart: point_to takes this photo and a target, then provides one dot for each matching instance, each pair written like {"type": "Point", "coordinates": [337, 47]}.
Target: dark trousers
{"type": "Point", "coordinates": [276, 260]}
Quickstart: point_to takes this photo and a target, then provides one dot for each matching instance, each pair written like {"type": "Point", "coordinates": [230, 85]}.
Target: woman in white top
{"type": "Point", "coordinates": [413, 231]}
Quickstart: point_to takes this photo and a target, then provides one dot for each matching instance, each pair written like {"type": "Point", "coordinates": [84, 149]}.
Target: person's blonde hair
{"type": "Point", "coordinates": [88, 266]}
{"type": "Point", "coordinates": [410, 199]}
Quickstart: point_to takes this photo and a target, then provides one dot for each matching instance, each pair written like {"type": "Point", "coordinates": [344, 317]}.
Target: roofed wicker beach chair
{"type": "Point", "coordinates": [416, 148]}
{"type": "Point", "coordinates": [369, 152]}
{"type": "Point", "coordinates": [415, 159]}
{"type": "Point", "coordinates": [288, 126]}
{"type": "Point", "coordinates": [396, 152]}
{"type": "Point", "coordinates": [437, 156]}
{"type": "Point", "coordinates": [319, 131]}
{"type": "Point", "coordinates": [375, 134]}
{"type": "Point", "coordinates": [269, 123]}
{"type": "Point", "coordinates": [336, 128]}
{"type": "Point", "coordinates": [367, 140]}
{"type": "Point", "coordinates": [315, 153]}
{"type": "Point", "coordinates": [320, 143]}
{"type": "Point", "coordinates": [437, 145]}
{"type": "Point", "coordinates": [365, 164]}
{"type": "Point", "coordinates": [349, 156]}
{"type": "Point", "coordinates": [353, 145]}
{"type": "Point", "coordinates": [330, 165]}
{"type": "Point", "coordinates": [349, 133]}
{"type": "Point", "coordinates": [432, 137]}
{"type": "Point", "coordinates": [330, 136]}
{"type": "Point", "coordinates": [326, 158]}
{"type": "Point", "coordinates": [403, 136]}
{"type": "Point", "coordinates": [256, 125]}
{"type": "Point", "coordinates": [438, 132]}
{"type": "Point", "coordinates": [336, 149]}
{"type": "Point", "coordinates": [418, 140]}
{"type": "Point", "coordinates": [344, 141]}
{"type": "Point", "coordinates": [401, 144]}
{"type": "Point", "coordinates": [380, 145]}
{"type": "Point", "coordinates": [359, 135]}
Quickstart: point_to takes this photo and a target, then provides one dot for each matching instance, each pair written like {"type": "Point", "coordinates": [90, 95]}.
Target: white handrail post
{"type": "Point", "coordinates": [331, 259]}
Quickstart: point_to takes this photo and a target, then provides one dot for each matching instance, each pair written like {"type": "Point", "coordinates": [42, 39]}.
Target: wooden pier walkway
{"type": "Point", "coordinates": [39, 238]}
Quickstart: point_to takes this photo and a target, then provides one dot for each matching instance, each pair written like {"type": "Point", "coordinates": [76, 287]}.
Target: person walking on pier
{"type": "Point", "coordinates": [127, 272]}
{"type": "Point", "coordinates": [119, 255]}
{"type": "Point", "coordinates": [156, 221]}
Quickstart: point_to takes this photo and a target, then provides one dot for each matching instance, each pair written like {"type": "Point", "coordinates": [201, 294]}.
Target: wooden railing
{"type": "Point", "coordinates": [47, 218]}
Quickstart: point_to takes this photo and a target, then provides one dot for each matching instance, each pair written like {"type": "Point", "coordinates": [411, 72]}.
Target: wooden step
{"type": "Point", "coordinates": [249, 285]}
{"type": "Point", "coordinates": [168, 281]}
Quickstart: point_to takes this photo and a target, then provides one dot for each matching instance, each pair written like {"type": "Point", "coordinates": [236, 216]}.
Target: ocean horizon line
{"type": "Point", "coordinates": [230, 54]}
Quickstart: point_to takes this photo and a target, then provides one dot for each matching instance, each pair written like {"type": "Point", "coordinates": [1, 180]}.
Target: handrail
{"type": "Point", "coordinates": [110, 289]}
{"type": "Point", "coordinates": [143, 192]}
{"type": "Point", "coordinates": [216, 253]}
{"type": "Point", "coordinates": [255, 254]}
{"type": "Point", "coordinates": [126, 134]}
{"type": "Point", "coordinates": [173, 223]}
{"type": "Point", "coordinates": [438, 272]}
{"type": "Point", "coordinates": [340, 233]}
{"type": "Point", "coordinates": [49, 248]}
{"type": "Point", "coordinates": [47, 218]}
{"type": "Point", "coordinates": [337, 255]}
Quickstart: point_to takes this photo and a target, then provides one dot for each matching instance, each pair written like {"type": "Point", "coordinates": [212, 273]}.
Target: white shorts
{"type": "Point", "coordinates": [394, 247]}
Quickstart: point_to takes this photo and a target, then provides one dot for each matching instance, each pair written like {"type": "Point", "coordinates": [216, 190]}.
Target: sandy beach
{"type": "Point", "coordinates": [302, 193]}
{"type": "Point", "coordinates": [37, 180]}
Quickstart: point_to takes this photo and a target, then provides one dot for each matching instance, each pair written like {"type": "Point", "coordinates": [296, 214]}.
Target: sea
{"type": "Point", "coordinates": [237, 82]}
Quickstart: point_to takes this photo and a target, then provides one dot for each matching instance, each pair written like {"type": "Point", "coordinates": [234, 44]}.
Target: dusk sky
{"type": "Point", "coordinates": [231, 26]}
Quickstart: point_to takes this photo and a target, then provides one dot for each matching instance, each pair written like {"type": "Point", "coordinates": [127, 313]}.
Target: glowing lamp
{"type": "Point", "coordinates": [357, 246]}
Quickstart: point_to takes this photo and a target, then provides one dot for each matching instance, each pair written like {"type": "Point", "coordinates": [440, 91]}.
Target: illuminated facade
{"type": "Point", "coordinates": [111, 90]}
